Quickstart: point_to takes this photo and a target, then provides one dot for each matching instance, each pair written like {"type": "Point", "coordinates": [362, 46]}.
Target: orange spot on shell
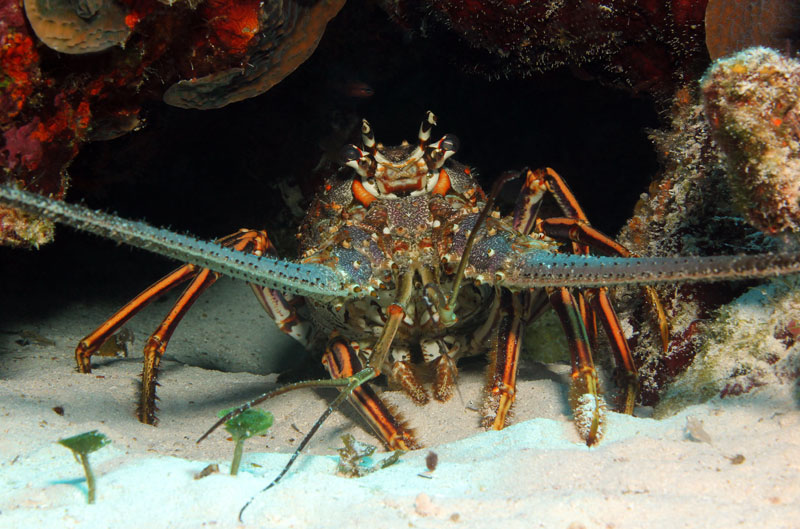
{"type": "Point", "coordinates": [361, 194]}
{"type": "Point", "coordinates": [443, 184]}
{"type": "Point", "coordinates": [394, 310]}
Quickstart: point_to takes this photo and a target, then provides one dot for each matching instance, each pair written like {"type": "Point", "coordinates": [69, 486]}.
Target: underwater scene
{"type": "Point", "coordinates": [326, 263]}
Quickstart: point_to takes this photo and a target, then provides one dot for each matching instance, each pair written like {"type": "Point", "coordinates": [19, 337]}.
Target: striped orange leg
{"type": "Point", "coordinates": [503, 362]}
{"type": "Point", "coordinates": [537, 183]}
{"type": "Point", "coordinates": [251, 241]}
{"type": "Point", "coordinates": [583, 234]}
{"type": "Point", "coordinates": [576, 227]}
{"type": "Point", "coordinates": [512, 314]}
{"type": "Point", "coordinates": [552, 182]}
{"type": "Point", "coordinates": [587, 405]}
{"type": "Point", "coordinates": [580, 232]}
{"type": "Point", "coordinates": [341, 361]}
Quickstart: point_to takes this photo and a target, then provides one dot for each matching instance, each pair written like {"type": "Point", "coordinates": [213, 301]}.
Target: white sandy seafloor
{"type": "Point", "coordinates": [536, 473]}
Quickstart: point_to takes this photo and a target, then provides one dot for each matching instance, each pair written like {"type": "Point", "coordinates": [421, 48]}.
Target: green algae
{"type": "Point", "coordinates": [81, 446]}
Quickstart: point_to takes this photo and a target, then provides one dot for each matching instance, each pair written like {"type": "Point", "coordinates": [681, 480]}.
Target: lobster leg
{"type": "Point", "coordinates": [587, 405]}
{"type": "Point", "coordinates": [158, 341]}
{"type": "Point", "coordinates": [580, 232]}
{"type": "Point", "coordinates": [503, 361]}
{"type": "Point", "coordinates": [515, 310]}
{"type": "Point", "coordinates": [341, 361]}
{"type": "Point", "coordinates": [255, 242]}
{"type": "Point", "coordinates": [94, 340]}
{"type": "Point", "coordinates": [403, 374]}
{"type": "Point", "coordinates": [629, 380]}
{"type": "Point", "coordinates": [576, 228]}
{"type": "Point", "coordinates": [511, 314]}
{"type": "Point", "coordinates": [536, 184]}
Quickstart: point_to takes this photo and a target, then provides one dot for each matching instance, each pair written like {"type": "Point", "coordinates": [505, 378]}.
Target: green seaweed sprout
{"type": "Point", "coordinates": [82, 445]}
{"type": "Point", "coordinates": [244, 426]}
{"type": "Point", "coordinates": [354, 458]}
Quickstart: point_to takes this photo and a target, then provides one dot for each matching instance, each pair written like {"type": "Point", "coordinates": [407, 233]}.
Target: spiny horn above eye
{"type": "Point", "coordinates": [367, 135]}
{"type": "Point", "coordinates": [425, 128]}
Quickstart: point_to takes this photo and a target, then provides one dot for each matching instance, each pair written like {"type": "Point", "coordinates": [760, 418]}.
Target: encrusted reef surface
{"type": "Point", "coordinates": [646, 46]}
{"type": "Point", "coordinates": [729, 185]}
{"type": "Point", "coordinates": [750, 342]}
{"type": "Point", "coordinates": [73, 72]}
{"type": "Point", "coordinates": [751, 102]}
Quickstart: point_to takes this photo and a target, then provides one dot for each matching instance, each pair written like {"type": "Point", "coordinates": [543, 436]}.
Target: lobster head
{"type": "Point", "coordinates": [393, 172]}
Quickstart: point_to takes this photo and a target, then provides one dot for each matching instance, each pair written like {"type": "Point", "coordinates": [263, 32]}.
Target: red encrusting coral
{"type": "Point", "coordinates": [232, 23]}
{"type": "Point", "coordinates": [19, 67]}
{"type": "Point", "coordinates": [54, 97]}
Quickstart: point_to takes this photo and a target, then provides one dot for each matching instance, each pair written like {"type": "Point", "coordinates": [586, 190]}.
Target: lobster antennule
{"type": "Point", "coordinates": [540, 269]}
{"type": "Point", "coordinates": [298, 278]}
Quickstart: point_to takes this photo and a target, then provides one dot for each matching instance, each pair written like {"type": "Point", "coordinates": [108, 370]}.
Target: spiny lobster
{"type": "Point", "coordinates": [404, 264]}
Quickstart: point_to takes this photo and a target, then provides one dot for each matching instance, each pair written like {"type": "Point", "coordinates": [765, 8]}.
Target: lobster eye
{"type": "Point", "coordinates": [349, 153]}
{"type": "Point", "coordinates": [449, 143]}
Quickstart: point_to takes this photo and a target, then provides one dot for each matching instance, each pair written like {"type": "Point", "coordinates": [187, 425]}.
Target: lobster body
{"type": "Point", "coordinates": [385, 250]}
{"type": "Point", "coordinates": [376, 245]}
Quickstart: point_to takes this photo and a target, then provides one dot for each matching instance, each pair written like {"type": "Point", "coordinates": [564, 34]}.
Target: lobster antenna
{"type": "Point", "coordinates": [335, 403]}
{"type": "Point", "coordinates": [266, 396]}
{"type": "Point", "coordinates": [347, 386]}
{"type": "Point", "coordinates": [362, 376]}
{"type": "Point", "coordinates": [450, 306]}
{"type": "Point", "coordinates": [305, 279]}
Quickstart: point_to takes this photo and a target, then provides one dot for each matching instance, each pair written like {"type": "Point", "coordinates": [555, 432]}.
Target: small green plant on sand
{"type": "Point", "coordinates": [355, 458]}
{"type": "Point", "coordinates": [82, 445]}
{"type": "Point", "coordinates": [247, 424]}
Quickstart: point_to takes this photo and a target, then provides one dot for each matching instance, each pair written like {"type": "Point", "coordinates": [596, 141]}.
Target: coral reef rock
{"type": "Point", "coordinates": [25, 230]}
{"type": "Point", "coordinates": [646, 46]}
{"type": "Point", "coordinates": [751, 102]}
{"type": "Point", "coordinates": [77, 71]}
{"type": "Point", "coordinates": [78, 27]}
{"type": "Point", "coordinates": [688, 211]}
{"type": "Point", "coordinates": [751, 342]}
